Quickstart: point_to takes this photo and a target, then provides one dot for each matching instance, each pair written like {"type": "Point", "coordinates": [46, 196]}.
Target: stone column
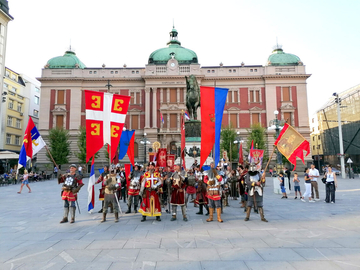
{"type": "Point", "coordinates": [154, 123]}
{"type": "Point", "coordinates": [147, 107]}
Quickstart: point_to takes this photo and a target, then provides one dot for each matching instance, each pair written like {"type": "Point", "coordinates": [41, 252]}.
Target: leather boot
{"type": "Point", "coordinates": [72, 213]}
{"type": "Point", "coordinates": [143, 218]}
{"type": "Point", "coordinates": [242, 204]}
{"type": "Point", "coordinates": [102, 206]}
{"type": "Point", "coordinates": [218, 211]}
{"type": "Point", "coordinates": [158, 218]}
{"type": "Point", "coordinates": [248, 210]}
{"type": "Point", "coordinates": [200, 210]}
{"type": "Point", "coordinates": [135, 209]}
{"type": "Point", "coordinates": [128, 211]}
{"type": "Point", "coordinates": [261, 210]}
{"type": "Point", "coordinates": [211, 210]}
{"type": "Point", "coordinates": [103, 218]}
{"type": "Point", "coordinates": [183, 210]}
{"type": "Point", "coordinates": [65, 218]}
{"type": "Point", "coordinates": [116, 217]}
{"type": "Point", "coordinates": [207, 209]}
{"type": "Point", "coordinates": [173, 218]}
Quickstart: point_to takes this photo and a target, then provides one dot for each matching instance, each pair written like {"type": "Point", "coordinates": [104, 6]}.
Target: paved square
{"type": "Point", "coordinates": [298, 235]}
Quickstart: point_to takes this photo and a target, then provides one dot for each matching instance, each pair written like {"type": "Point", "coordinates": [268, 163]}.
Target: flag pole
{"type": "Point", "coordinates": [270, 158]}
{"type": "Point", "coordinates": [181, 150]}
{"type": "Point", "coordinates": [47, 149]}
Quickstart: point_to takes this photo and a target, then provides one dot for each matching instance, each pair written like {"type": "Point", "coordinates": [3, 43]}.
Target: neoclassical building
{"type": "Point", "coordinates": [255, 92]}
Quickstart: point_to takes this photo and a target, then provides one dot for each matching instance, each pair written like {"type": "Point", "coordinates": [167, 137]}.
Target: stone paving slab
{"type": "Point", "coordinates": [298, 235]}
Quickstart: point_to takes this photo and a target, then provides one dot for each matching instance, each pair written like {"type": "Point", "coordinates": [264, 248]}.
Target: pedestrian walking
{"type": "Point", "coordinates": [307, 186]}
{"type": "Point", "coordinates": [314, 174]}
{"type": "Point", "coordinates": [25, 181]}
{"type": "Point", "coordinates": [296, 181]}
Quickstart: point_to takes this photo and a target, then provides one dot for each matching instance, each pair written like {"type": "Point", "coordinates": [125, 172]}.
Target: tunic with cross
{"type": "Point", "coordinates": [150, 205]}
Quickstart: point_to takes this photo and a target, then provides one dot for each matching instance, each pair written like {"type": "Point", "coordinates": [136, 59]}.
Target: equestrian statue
{"type": "Point", "coordinates": [192, 96]}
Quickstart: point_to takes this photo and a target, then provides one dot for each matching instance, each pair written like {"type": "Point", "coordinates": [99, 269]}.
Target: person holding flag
{"type": "Point", "coordinates": [72, 184]}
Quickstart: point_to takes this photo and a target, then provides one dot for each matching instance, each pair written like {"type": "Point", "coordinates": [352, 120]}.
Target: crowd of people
{"type": "Point", "coordinates": [152, 190]}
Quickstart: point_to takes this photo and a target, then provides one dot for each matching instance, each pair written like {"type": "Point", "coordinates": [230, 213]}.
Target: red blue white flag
{"type": "Point", "coordinates": [91, 184]}
{"type": "Point", "coordinates": [162, 118]}
{"type": "Point", "coordinates": [187, 117]}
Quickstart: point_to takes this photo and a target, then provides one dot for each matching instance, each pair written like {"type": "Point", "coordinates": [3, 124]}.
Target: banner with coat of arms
{"type": "Point", "coordinates": [256, 156]}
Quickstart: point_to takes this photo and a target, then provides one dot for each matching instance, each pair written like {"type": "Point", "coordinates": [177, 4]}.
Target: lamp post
{"type": "Point", "coordinates": [145, 141]}
{"type": "Point", "coordinates": [237, 141]}
{"type": "Point", "coordinates": [276, 124]}
{"type": "Point", "coordinates": [342, 159]}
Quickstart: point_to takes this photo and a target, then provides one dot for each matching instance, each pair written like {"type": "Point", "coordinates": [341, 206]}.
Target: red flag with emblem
{"type": "Point", "coordinates": [105, 118]}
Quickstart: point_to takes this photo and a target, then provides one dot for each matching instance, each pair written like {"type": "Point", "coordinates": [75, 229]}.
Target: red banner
{"type": "Point", "coordinates": [256, 156]}
{"type": "Point", "coordinates": [127, 173]}
{"type": "Point", "coordinates": [170, 161]}
{"type": "Point", "coordinates": [161, 157]}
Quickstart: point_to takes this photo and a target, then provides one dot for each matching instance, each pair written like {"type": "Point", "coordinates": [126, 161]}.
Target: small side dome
{"type": "Point", "coordinates": [279, 58]}
{"type": "Point", "coordinates": [68, 60]}
{"type": "Point", "coordinates": [174, 50]}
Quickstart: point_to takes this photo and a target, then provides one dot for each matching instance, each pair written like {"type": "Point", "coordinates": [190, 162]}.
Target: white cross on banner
{"type": "Point", "coordinates": [105, 118]}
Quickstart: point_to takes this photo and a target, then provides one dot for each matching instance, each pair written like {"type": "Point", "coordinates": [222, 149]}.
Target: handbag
{"type": "Point", "coordinates": [324, 180]}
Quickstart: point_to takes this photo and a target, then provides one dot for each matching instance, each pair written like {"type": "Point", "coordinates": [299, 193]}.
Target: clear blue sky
{"type": "Point", "coordinates": [323, 33]}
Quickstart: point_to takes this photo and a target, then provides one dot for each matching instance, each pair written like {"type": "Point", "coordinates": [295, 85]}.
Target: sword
{"type": "Point", "coordinates": [117, 200]}
{"type": "Point", "coordinates": [78, 206]}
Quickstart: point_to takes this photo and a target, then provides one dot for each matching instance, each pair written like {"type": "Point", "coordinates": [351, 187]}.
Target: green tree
{"type": "Point", "coordinates": [257, 133]}
{"type": "Point", "coordinates": [59, 145]}
{"type": "Point", "coordinates": [228, 136]}
{"type": "Point", "coordinates": [81, 154]}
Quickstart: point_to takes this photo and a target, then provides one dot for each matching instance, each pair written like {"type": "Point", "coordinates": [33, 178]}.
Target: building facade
{"type": "Point", "coordinates": [5, 17]}
{"type": "Point", "coordinates": [327, 117]}
{"type": "Point", "coordinates": [255, 92]}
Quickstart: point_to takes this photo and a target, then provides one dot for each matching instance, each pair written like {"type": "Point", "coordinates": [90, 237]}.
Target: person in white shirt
{"type": "Point", "coordinates": [314, 174]}
{"type": "Point", "coordinates": [80, 168]}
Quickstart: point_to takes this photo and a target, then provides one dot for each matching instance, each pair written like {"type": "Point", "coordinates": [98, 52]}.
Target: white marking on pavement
{"type": "Point", "coordinates": [322, 254]}
{"type": "Point", "coordinates": [47, 266]}
{"type": "Point", "coordinates": [31, 255]}
{"type": "Point", "coordinates": [66, 257]}
{"type": "Point", "coordinates": [336, 228]}
{"type": "Point", "coordinates": [358, 266]}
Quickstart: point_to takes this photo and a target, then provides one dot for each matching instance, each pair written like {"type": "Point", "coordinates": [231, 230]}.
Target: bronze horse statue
{"type": "Point", "coordinates": [192, 96]}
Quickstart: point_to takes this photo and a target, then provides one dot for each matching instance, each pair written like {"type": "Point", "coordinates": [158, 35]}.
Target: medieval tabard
{"type": "Point", "coordinates": [134, 190]}
{"type": "Point", "coordinates": [110, 189]}
{"type": "Point", "coordinates": [213, 181]}
{"type": "Point", "coordinates": [150, 205]}
{"type": "Point", "coordinates": [251, 178]}
{"type": "Point", "coordinates": [178, 188]}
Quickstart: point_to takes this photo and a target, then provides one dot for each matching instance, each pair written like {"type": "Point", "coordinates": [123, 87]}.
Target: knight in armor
{"type": "Point", "coordinates": [167, 188]}
{"type": "Point", "coordinates": [111, 186]}
{"type": "Point", "coordinates": [213, 181]}
{"type": "Point", "coordinates": [201, 198]}
{"type": "Point", "coordinates": [190, 188]}
{"type": "Point", "coordinates": [123, 188]}
{"type": "Point", "coordinates": [179, 181]}
{"type": "Point", "coordinates": [242, 185]}
{"type": "Point", "coordinates": [255, 183]}
{"type": "Point", "coordinates": [134, 189]}
{"type": "Point", "coordinates": [72, 184]}
{"type": "Point", "coordinates": [150, 183]}
{"type": "Point", "coordinates": [101, 180]}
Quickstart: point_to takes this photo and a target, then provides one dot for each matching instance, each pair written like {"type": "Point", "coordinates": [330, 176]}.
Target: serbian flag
{"type": "Point", "coordinates": [211, 119]}
{"type": "Point", "coordinates": [292, 144]}
{"type": "Point", "coordinates": [241, 157]}
{"type": "Point", "coordinates": [251, 147]}
{"type": "Point", "coordinates": [256, 156]}
{"type": "Point", "coordinates": [183, 141]}
{"type": "Point", "coordinates": [105, 118]}
{"type": "Point", "coordinates": [162, 118]}
{"type": "Point", "coordinates": [32, 143]}
{"type": "Point", "coordinates": [187, 117]}
{"type": "Point", "coordinates": [127, 145]}
{"type": "Point", "coordinates": [91, 192]}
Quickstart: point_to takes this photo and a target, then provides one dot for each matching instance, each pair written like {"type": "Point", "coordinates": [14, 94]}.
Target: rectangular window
{"type": "Point", "coordinates": [236, 97]}
{"type": "Point", "coordinates": [287, 117]}
{"type": "Point", "coordinates": [173, 98]}
{"type": "Point", "coordinates": [11, 104]}
{"type": "Point", "coordinates": [165, 121]}
{"type": "Point", "coordinates": [233, 120]}
{"type": "Point", "coordinates": [173, 120]}
{"type": "Point", "coordinates": [8, 139]}
{"type": "Point", "coordinates": [17, 140]}
{"type": "Point", "coordinates": [132, 98]}
{"type": "Point", "coordinates": [19, 107]}
{"type": "Point", "coordinates": [286, 93]}
{"type": "Point", "coordinates": [136, 149]}
{"type": "Point", "coordinates": [10, 121]}
{"type": "Point", "coordinates": [137, 98]}
{"type": "Point", "coordinates": [255, 118]}
{"type": "Point", "coordinates": [36, 113]}
{"type": "Point", "coordinates": [230, 97]}
{"type": "Point", "coordinates": [181, 95]}
{"type": "Point", "coordinates": [18, 123]}
{"type": "Point", "coordinates": [135, 122]}
{"type": "Point", "coordinates": [60, 97]}
{"type": "Point", "coordinates": [257, 96]}
{"type": "Point", "coordinates": [37, 100]}
{"type": "Point", "coordinates": [37, 89]}
{"type": "Point", "coordinates": [59, 121]}
{"type": "Point", "coordinates": [165, 95]}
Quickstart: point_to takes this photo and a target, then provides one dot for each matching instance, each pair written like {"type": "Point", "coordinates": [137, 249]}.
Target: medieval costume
{"type": "Point", "coordinates": [201, 198]}
{"type": "Point", "coordinates": [101, 180]}
{"type": "Point", "coordinates": [72, 185]}
{"type": "Point", "coordinates": [150, 205]}
{"type": "Point", "coordinates": [167, 189]}
{"type": "Point", "coordinates": [242, 187]}
{"type": "Point", "coordinates": [179, 180]}
{"type": "Point", "coordinates": [190, 189]}
{"type": "Point", "coordinates": [213, 181]}
{"type": "Point", "coordinates": [134, 189]}
{"type": "Point", "coordinates": [110, 189]}
{"type": "Point", "coordinates": [255, 183]}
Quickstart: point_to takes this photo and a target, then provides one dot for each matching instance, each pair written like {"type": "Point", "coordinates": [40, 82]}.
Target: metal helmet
{"type": "Point", "coordinates": [252, 167]}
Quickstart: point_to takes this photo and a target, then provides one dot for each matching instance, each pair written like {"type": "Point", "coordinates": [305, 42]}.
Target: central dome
{"type": "Point", "coordinates": [279, 58]}
{"type": "Point", "coordinates": [68, 60]}
{"type": "Point", "coordinates": [174, 50]}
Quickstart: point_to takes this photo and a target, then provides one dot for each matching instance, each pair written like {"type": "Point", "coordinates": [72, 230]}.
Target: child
{"type": "Point", "coordinates": [282, 185]}
{"type": "Point", "coordinates": [296, 185]}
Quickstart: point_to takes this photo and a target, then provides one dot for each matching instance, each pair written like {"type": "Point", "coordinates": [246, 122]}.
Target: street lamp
{"type": "Point", "coordinates": [342, 159]}
{"type": "Point", "coordinates": [145, 141]}
{"type": "Point", "coordinates": [237, 141]}
{"type": "Point", "coordinates": [276, 124]}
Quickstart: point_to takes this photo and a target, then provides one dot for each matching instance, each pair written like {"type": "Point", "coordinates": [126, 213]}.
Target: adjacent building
{"type": "Point", "coordinates": [255, 92]}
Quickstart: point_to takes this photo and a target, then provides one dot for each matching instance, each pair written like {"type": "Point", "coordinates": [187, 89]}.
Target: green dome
{"type": "Point", "coordinates": [68, 60]}
{"type": "Point", "coordinates": [174, 50]}
{"type": "Point", "coordinates": [279, 58]}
